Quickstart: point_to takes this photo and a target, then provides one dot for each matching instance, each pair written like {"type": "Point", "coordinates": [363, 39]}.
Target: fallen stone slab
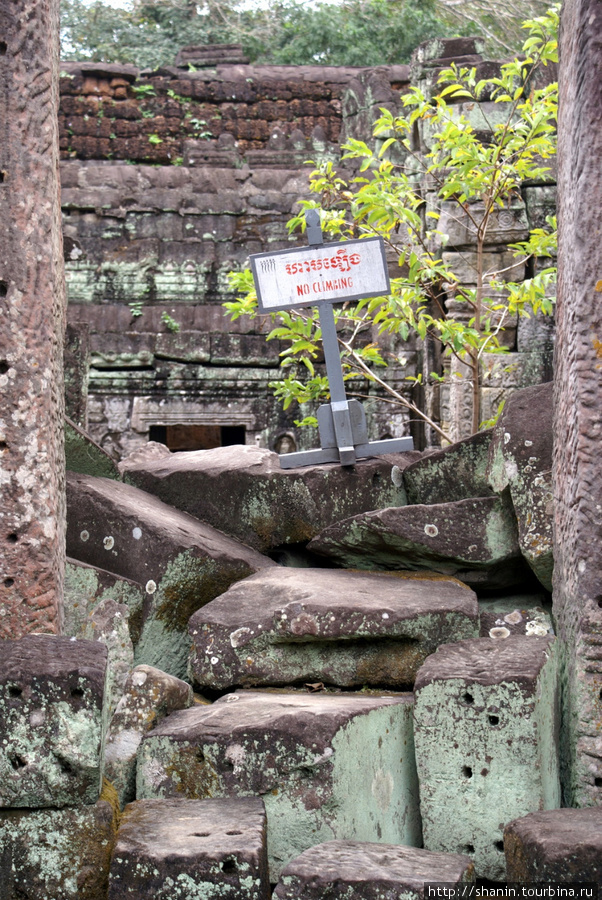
{"type": "Point", "coordinates": [51, 720]}
{"type": "Point", "coordinates": [486, 725]}
{"type": "Point", "coordinates": [327, 765]}
{"type": "Point", "coordinates": [457, 472]}
{"type": "Point", "coordinates": [292, 626]}
{"type": "Point", "coordinates": [364, 871]}
{"type": "Point", "coordinates": [556, 845]}
{"type": "Point", "coordinates": [191, 849]}
{"type": "Point", "coordinates": [521, 460]}
{"type": "Point", "coordinates": [473, 540]}
{"type": "Point", "coordinates": [149, 696]}
{"type": "Point", "coordinates": [182, 563]}
{"type": "Point", "coordinates": [243, 492]}
{"type": "Point", "coordinates": [62, 854]}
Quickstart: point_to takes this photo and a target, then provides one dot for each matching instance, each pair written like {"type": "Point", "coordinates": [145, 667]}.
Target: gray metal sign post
{"type": "Point", "coordinates": [287, 279]}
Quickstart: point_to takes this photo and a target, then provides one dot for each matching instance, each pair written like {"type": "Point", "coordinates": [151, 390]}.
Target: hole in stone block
{"type": "Point", "coordinates": [17, 762]}
{"type": "Point", "coordinates": [77, 693]}
{"type": "Point", "coordinates": [467, 771]}
{"type": "Point", "coordinates": [468, 848]}
{"type": "Point", "coordinates": [3, 289]}
{"type": "Point", "coordinates": [12, 538]}
{"type": "Point", "coordinates": [468, 698]}
{"type": "Point", "coordinates": [597, 782]}
{"type": "Point", "coordinates": [494, 720]}
{"type": "Point", "coordinates": [200, 756]}
{"type": "Point", "coordinates": [200, 834]}
{"type": "Point", "coordinates": [66, 767]}
{"type": "Point", "coordinates": [14, 691]}
{"type": "Point", "coordinates": [234, 832]}
{"type": "Point", "coordinates": [3, 48]}
{"type": "Point", "coordinates": [599, 601]}
{"type": "Point", "coordinates": [229, 866]}
{"type": "Point", "coordinates": [3, 445]}
{"type": "Point", "coordinates": [4, 367]}
{"type": "Point", "coordinates": [2, 176]}
{"type": "Point", "coordinates": [499, 845]}
{"type": "Point", "coordinates": [9, 582]}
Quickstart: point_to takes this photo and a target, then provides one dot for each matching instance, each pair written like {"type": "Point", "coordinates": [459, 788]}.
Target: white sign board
{"type": "Point", "coordinates": [345, 270]}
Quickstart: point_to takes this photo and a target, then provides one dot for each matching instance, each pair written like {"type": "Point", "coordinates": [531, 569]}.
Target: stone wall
{"type": "Point", "coordinates": [170, 180]}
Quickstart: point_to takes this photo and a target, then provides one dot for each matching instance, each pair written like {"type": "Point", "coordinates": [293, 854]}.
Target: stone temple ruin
{"type": "Point", "coordinates": [248, 682]}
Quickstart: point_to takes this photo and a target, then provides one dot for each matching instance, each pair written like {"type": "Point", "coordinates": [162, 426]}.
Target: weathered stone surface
{"type": "Point", "coordinates": [558, 845]}
{"type": "Point", "coordinates": [32, 313]}
{"type": "Point", "coordinates": [87, 587]}
{"type": "Point", "coordinates": [327, 765]}
{"type": "Point", "coordinates": [182, 562]}
{"type": "Point", "coordinates": [521, 459]}
{"type": "Point", "coordinates": [51, 716]}
{"type": "Point", "coordinates": [83, 455]}
{"type": "Point", "coordinates": [76, 367]}
{"type": "Point", "coordinates": [293, 626]}
{"type": "Point", "coordinates": [62, 854]}
{"type": "Point", "coordinates": [454, 473]}
{"type": "Point", "coordinates": [109, 624]}
{"type": "Point", "coordinates": [577, 465]}
{"type": "Point", "coordinates": [486, 722]}
{"type": "Point", "coordinates": [473, 540]}
{"type": "Point", "coordinates": [244, 492]}
{"type": "Point", "coordinates": [364, 871]}
{"type": "Point", "coordinates": [149, 696]}
{"type": "Point", "coordinates": [188, 849]}
{"type": "Point", "coordinates": [528, 614]}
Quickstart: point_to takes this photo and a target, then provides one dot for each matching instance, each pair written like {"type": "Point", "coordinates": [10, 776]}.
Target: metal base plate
{"type": "Point", "coordinates": [332, 454]}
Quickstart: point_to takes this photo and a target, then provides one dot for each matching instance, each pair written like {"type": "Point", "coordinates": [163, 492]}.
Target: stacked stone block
{"type": "Point", "coordinates": [486, 724]}
{"type": "Point", "coordinates": [56, 835]}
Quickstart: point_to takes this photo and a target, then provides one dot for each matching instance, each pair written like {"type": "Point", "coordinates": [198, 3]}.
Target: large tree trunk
{"type": "Point", "coordinates": [32, 308]}
{"type": "Point", "coordinates": [578, 400]}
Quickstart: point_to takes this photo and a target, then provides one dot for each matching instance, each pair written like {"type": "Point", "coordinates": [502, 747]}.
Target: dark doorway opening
{"type": "Point", "coordinates": [197, 437]}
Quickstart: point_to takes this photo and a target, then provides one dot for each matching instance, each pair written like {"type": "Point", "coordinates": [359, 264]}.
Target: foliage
{"type": "Point", "coordinates": [353, 32]}
{"type": "Point", "coordinates": [477, 158]}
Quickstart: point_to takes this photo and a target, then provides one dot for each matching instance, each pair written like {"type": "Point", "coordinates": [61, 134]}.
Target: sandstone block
{"type": "Point", "coordinates": [473, 540]}
{"type": "Point", "coordinates": [87, 587]}
{"type": "Point", "coordinates": [181, 562]}
{"type": "Point", "coordinates": [486, 724]}
{"type": "Point", "coordinates": [84, 455]}
{"type": "Point", "coordinates": [292, 626]}
{"type": "Point", "coordinates": [561, 845]}
{"type": "Point", "coordinates": [515, 614]}
{"type": "Point", "coordinates": [364, 871]}
{"type": "Point", "coordinates": [109, 625]}
{"type": "Point", "coordinates": [327, 765]}
{"type": "Point", "coordinates": [454, 473]}
{"type": "Point", "coordinates": [188, 849]}
{"type": "Point", "coordinates": [62, 854]}
{"type": "Point", "coordinates": [242, 491]}
{"type": "Point", "coordinates": [521, 460]}
{"type": "Point", "coordinates": [149, 696]}
{"type": "Point", "coordinates": [51, 717]}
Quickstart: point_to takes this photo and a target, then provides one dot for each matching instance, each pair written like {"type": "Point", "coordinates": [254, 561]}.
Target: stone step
{"type": "Point", "coordinates": [556, 845]}
{"type": "Point", "coordinates": [243, 492]}
{"type": "Point", "coordinates": [191, 849]}
{"type": "Point", "coordinates": [51, 721]}
{"type": "Point", "coordinates": [292, 626]}
{"type": "Point", "coordinates": [364, 871]}
{"type": "Point", "coordinates": [474, 540]}
{"type": "Point", "coordinates": [326, 765]}
{"type": "Point", "coordinates": [486, 726]}
{"type": "Point", "coordinates": [181, 562]}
